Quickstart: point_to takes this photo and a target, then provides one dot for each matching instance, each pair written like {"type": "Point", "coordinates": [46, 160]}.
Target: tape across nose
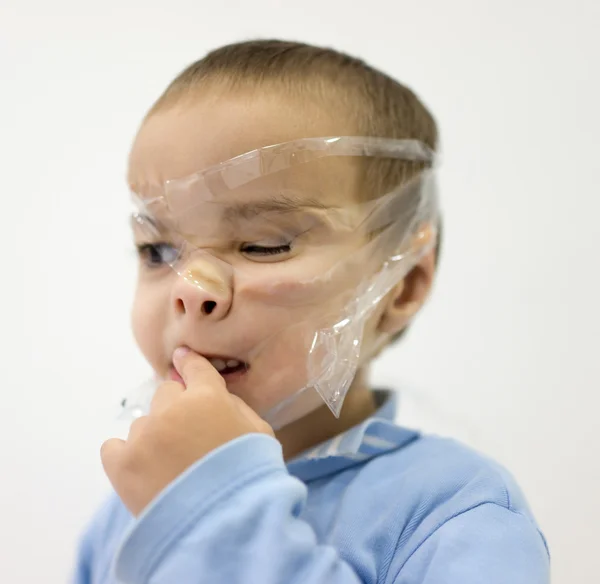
{"type": "Point", "coordinates": [204, 287]}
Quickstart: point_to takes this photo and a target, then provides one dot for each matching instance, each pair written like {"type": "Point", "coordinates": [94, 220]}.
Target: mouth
{"type": "Point", "coordinates": [229, 368]}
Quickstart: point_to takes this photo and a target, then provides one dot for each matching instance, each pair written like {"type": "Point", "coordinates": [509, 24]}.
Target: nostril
{"type": "Point", "coordinates": [180, 306]}
{"type": "Point", "coordinates": [208, 306]}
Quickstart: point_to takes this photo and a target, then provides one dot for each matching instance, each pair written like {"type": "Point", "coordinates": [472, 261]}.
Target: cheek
{"type": "Point", "coordinates": [279, 367]}
{"type": "Point", "coordinates": [298, 289]}
{"type": "Point", "coordinates": [147, 323]}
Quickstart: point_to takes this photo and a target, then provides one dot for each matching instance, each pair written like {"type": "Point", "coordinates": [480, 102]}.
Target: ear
{"type": "Point", "coordinates": [408, 296]}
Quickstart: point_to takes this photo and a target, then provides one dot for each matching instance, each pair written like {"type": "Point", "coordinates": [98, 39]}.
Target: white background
{"type": "Point", "coordinates": [505, 355]}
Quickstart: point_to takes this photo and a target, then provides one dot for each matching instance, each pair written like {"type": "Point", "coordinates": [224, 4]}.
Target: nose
{"type": "Point", "coordinates": [204, 289]}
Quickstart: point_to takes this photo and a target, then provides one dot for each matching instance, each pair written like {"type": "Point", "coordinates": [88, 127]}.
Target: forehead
{"type": "Point", "coordinates": [191, 136]}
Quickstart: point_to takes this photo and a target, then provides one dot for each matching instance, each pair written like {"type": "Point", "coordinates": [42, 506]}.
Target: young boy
{"type": "Point", "coordinates": [286, 223]}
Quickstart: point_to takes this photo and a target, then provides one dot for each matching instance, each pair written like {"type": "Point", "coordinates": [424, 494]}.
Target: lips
{"type": "Point", "coordinates": [228, 367]}
{"type": "Point", "coordinates": [174, 375]}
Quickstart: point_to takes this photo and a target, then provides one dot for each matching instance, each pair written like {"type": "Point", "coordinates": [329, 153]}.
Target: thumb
{"type": "Point", "coordinates": [111, 454]}
{"type": "Point", "coordinates": [196, 371]}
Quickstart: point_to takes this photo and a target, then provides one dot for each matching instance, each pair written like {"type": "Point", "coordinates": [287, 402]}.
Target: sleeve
{"type": "Point", "coordinates": [99, 540]}
{"type": "Point", "coordinates": [82, 571]}
{"type": "Point", "coordinates": [232, 517]}
{"type": "Point", "coordinates": [488, 544]}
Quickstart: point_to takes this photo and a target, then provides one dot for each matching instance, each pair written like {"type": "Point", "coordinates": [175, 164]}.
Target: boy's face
{"type": "Point", "coordinates": [247, 297]}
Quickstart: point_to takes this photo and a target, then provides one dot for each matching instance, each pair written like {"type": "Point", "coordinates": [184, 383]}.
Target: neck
{"type": "Point", "coordinates": [321, 425]}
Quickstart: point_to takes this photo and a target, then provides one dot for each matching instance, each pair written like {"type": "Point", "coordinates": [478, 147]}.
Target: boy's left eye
{"type": "Point", "coordinates": [265, 251]}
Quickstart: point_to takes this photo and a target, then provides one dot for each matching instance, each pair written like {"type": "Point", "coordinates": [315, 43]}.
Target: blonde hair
{"type": "Point", "coordinates": [375, 103]}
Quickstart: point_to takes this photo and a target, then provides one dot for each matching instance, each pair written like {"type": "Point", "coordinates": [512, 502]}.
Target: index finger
{"type": "Point", "coordinates": [196, 371]}
{"type": "Point", "coordinates": [165, 395]}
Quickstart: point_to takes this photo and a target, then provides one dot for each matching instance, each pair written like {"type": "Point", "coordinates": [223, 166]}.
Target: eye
{"type": "Point", "coordinates": [155, 255]}
{"type": "Point", "coordinates": [265, 251]}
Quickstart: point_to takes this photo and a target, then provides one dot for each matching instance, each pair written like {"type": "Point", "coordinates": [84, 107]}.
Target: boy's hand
{"type": "Point", "coordinates": [183, 426]}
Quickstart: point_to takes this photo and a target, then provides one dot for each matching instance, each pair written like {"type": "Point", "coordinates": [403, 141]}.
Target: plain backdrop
{"type": "Point", "coordinates": [505, 356]}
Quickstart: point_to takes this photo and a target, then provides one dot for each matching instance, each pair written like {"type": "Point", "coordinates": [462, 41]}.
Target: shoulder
{"type": "Point", "coordinates": [435, 469]}
{"type": "Point", "coordinates": [448, 502]}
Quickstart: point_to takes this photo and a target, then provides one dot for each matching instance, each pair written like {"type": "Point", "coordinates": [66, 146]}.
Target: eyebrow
{"type": "Point", "coordinates": [134, 221]}
{"type": "Point", "coordinates": [277, 204]}
{"type": "Point", "coordinates": [280, 204]}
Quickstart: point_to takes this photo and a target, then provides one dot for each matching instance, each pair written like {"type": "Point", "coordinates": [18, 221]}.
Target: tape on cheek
{"type": "Point", "coordinates": [291, 288]}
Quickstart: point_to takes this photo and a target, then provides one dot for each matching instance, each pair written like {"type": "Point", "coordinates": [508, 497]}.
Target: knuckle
{"type": "Point", "coordinates": [106, 450]}
{"type": "Point", "coordinates": [129, 462]}
{"type": "Point", "coordinates": [138, 425]}
{"type": "Point", "coordinates": [140, 422]}
{"type": "Point", "coordinates": [113, 455]}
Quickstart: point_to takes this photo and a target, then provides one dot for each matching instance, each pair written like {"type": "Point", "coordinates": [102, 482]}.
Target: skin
{"type": "Point", "coordinates": [262, 305]}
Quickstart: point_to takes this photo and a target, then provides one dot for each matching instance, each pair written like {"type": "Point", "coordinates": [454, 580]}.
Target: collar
{"type": "Point", "coordinates": [373, 437]}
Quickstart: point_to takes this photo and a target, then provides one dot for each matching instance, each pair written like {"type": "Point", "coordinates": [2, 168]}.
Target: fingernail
{"type": "Point", "coordinates": [179, 353]}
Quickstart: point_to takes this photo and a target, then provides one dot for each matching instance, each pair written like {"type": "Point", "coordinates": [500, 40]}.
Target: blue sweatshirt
{"type": "Point", "coordinates": [377, 504]}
